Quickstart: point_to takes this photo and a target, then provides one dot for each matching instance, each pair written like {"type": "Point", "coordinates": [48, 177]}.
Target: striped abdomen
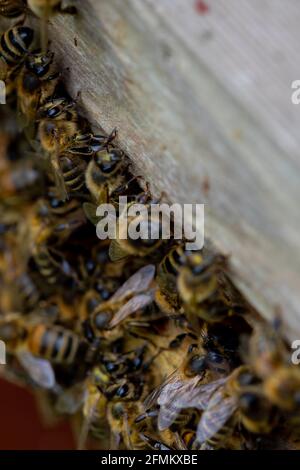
{"type": "Point", "coordinates": [73, 170]}
{"type": "Point", "coordinates": [53, 343]}
{"type": "Point", "coordinates": [15, 44]}
{"type": "Point", "coordinates": [173, 261]}
{"type": "Point", "coordinates": [47, 266]}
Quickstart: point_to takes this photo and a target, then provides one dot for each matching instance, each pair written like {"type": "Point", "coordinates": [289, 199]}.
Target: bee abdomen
{"type": "Point", "coordinates": [15, 43]}
{"type": "Point", "coordinates": [46, 268]}
{"type": "Point", "coordinates": [73, 172]}
{"type": "Point", "coordinates": [11, 8]}
{"type": "Point", "coordinates": [54, 343]}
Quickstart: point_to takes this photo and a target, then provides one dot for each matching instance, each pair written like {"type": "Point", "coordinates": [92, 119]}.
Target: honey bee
{"type": "Point", "coordinates": [12, 8]}
{"type": "Point", "coordinates": [119, 365]}
{"type": "Point", "coordinates": [36, 83]}
{"type": "Point", "coordinates": [237, 398]}
{"type": "Point", "coordinates": [135, 294]}
{"type": "Point", "coordinates": [174, 393]}
{"type": "Point", "coordinates": [150, 230]}
{"type": "Point", "coordinates": [124, 405]}
{"type": "Point", "coordinates": [167, 296]}
{"type": "Point", "coordinates": [73, 162]}
{"type": "Point", "coordinates": [202, 289]}
{"type": "Point", "coordinates": [48, 225]}
{"type": "Point", "coordinates": [14, 47]}
{"type": "Point", "coordinates": [105, 404]}
{"type": "Point", "coordinates": [104, 173]}
{"type": "Point", "coordinates": [39, 345]}
{"type": "Point", "coordinates": [59, 123]}
{"type": "Point", "coordinates": [271, 362]}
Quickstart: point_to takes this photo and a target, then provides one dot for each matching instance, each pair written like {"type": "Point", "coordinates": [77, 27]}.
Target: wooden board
{"type": "Point", "coordinates": [201, 93]}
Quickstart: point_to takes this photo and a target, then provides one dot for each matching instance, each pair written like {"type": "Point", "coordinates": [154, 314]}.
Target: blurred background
{"type": "Point", "coordinates": [22, 426]}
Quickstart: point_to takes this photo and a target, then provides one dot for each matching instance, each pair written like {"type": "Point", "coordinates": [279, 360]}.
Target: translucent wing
{"type": "Point", "coordinates": [70, 401]}
{"type": "Point", "coordinates": [154, 395]}
{"type": "Point", "coordinates": [116, 253]}
{"type": "Point", "coordinates": [139, 282]}
{"type": "Point", "coordinates": [176, 389]}
{"type": "Point", "coordinates": [58, 176]}
{"type": "Point", "coordinates": [89, 414]}
{"type": "Point", "coordinates": [179, 442]}
{"type": "Point", "coordinates": [199, 397]}
{"type": "Point", "coordinates": [134, 304]}
{"type": "Point", "coordinates": [168, 397]}
{"type": "Point", "coordinates": [38, 369]}
{"type": "Point", "coordinates": [90, 211]}
{"type": "Point", "coordinates": [127, 436]}
{"type": "Point", "coordinates": [219, 411]}
{"type": "Point", "coordinates": [170, 402]}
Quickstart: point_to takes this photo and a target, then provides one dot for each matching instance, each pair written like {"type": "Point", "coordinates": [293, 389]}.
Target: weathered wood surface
{"type": "Point", "coordinates": [204, 95]}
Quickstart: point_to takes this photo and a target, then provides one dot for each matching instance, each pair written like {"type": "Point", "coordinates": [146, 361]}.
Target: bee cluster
{"type": "Point", "coordinates": [146, 344]}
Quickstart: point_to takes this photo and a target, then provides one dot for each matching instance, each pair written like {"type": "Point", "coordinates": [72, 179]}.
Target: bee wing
{"type": "Point", "coordinates": [199, 397]}
{"type": "Point", "coordinates": [179, 442]}
{"type": "Point", "coordinates": [58, 176]}
{"type": "Point", "coordinates": [137, 283]}
{"type": "Point", "coordinates": [91, 410]}
{"type": "Point", "coordinates": [38, 369]}
{"type": "Point", "coordinates": [116, 253]}
{"type": "Point", "coordinates": [134, 304]}
{"type": "Point", "coordinates": [179, 389]}
{"type": "Point", "coordinates": [103, 195]}
{"type": "Point", "coordinates": [90, 211]}
{"type": "Point", "coordinates": [155, 394]}
{"type": "Point", "coordinates": [70, 401]}
{"type": "Point", "coordinates": [171, 403]}
{"type": "Point", "coordinates": [127, 432]}
{"type": "Point", "coordinates": [219, 410]}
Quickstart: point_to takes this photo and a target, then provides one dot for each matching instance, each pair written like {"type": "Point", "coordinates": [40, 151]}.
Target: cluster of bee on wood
{"type": "Point", "coordinates": [147, 345]}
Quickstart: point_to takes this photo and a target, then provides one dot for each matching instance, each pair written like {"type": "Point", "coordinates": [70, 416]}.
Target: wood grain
{"type": "Point", "coordinates": [202, 101]}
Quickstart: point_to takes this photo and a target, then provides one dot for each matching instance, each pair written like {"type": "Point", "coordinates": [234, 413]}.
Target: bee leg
{"type": "Point", "coordinates": [112, 136]}
{"type": "Point", "coordinates": [125, 186]}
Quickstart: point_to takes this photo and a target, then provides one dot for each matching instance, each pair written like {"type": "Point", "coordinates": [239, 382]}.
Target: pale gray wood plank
{"type": "Point", "coordinates": [205, 96]}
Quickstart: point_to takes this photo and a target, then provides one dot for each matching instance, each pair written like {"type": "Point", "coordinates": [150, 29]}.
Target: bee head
{"type": "Point", "coordinates": [109, 161]}
{"type": "Point", "coordinates": [196, 365]}
{"type": "Point", "coordinates": [39, 63]}
{"type": "Point", "coordinates": [101, 320]}
{"type": "Point", "coordinates": [56, 109]}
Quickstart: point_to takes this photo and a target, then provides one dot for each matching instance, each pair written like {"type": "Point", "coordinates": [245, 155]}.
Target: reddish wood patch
{"type": "Point", "coordinates": [201, 7]}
